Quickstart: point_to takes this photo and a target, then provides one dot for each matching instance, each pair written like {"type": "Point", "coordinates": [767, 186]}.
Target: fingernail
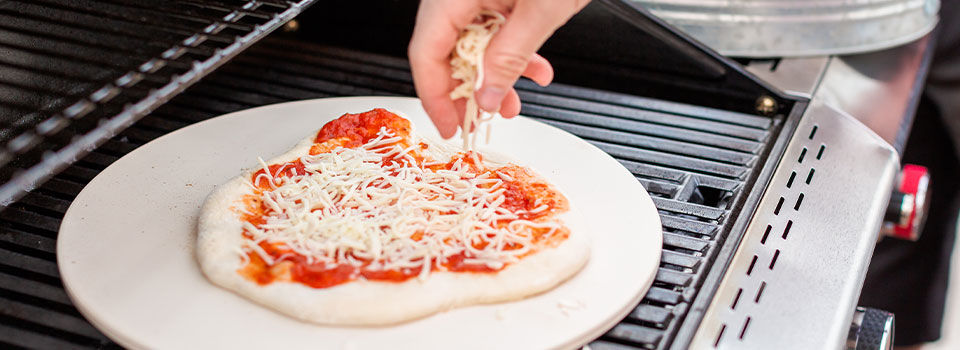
{"type": "Point", "coordinates": [490, 98]}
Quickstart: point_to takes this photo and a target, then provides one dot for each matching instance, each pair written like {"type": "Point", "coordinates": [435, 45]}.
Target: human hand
{"type": "Point", "coordinates": [510, 54]}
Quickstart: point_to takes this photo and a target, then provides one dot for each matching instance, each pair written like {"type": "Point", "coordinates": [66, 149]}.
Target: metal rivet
{"type": "Point", "coordinates": [766, 105]}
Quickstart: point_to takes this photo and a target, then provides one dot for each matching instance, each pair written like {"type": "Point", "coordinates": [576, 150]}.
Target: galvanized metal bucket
{"type": "Point", "coordinates": [775, 28]}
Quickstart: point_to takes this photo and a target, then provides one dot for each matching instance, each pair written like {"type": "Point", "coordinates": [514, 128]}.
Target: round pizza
{"type": "Point", "coordinates": [367, 223]}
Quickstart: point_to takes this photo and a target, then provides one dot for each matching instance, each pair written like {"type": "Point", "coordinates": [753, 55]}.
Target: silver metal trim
{"type": "Point", "coordinates": [763, 28]}
{"type": "Point", "coordinates": [921, 203]}
{"type": "Point", "coordinates": [854, 334]}
{"type": "Point", "coordinates": [887, 340]}
{"type": "Point", "coordinates": [796, 276]}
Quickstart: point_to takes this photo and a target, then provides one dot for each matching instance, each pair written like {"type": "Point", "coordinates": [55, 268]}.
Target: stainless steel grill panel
{"type": "Point", "coordinates": [699, 177]}
{"type": "Point", "coordinates": [800, 264]}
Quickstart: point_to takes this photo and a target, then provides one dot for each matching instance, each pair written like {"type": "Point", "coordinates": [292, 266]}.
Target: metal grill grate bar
{"type": "Point", "coordinates": [36, 289]}
{"type": "Point", "coordinates": [72, 324]}
{"type": "Point", "coordinates": [28, 265]}
{"type": "Point", "coordinates": [46, 17]}
{"type": "Point", "coordinates": [663, 295]}
{"type": "Point", "coordinates": [14, 338]}
{"type": "Point", "coordinates": [647, 116]}
{"type": "Point", "coordinates": [606, 345]}
{"type": "Point", "coordinates": [92, 16]}
{"type": "Point", "coordinates": [653, 314]}
{"type": "Point", "coordinates": [635, 334]}
{"type": "Point", "coordinates": [641, 128]}
{"type": "Point", "coordinates": [75, 35]}
{"type": "Point", "coordinates": [658, 144]}
{"type": "Point", "coordinates": [683, 241]}
{"type": "Point", "coordinates": [31, 219]}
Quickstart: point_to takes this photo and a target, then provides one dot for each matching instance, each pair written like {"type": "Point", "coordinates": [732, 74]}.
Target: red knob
{"type": "Point", "coordinates": [908, 203]}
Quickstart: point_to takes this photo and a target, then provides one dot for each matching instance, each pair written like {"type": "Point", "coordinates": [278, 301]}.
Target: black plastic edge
{"type": "Point", "coordinates": [704, 54]}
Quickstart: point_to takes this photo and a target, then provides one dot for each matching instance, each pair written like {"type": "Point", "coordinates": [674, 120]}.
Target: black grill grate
{"type": "Point", "coordinates": [696, 162]}
{"type": "Point", "coordinates": [74, 73]}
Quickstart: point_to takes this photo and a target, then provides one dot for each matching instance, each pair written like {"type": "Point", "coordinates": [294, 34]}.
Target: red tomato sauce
{"type": "Point", "coordinates": [363, 127]}
{"type": "Point", "coordinates": [319, 275]}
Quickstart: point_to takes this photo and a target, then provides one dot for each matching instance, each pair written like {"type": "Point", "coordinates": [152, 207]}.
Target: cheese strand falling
{"type": "Point", "coordinates": [466, 63]}
{"type": "Point", "coordinates": [383, 204]}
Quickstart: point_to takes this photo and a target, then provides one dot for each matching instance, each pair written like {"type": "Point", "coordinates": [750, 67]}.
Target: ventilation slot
{"type": "Point", "coordinates": [773, 261]}
{"type": "Point", "coordinates": [716, 343]}
{"type": "Point", "coordinates": [752, 264]}
{"type": "Point", "coordinates": [763, 285]}
{"type": "Point", "coordinates": [736, 299]}
{"type": "Point", "coordinates": [744, 329]}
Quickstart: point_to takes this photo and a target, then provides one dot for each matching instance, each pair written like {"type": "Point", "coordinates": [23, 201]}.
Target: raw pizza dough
{"type": "Point", "coordinates": [364, 302]}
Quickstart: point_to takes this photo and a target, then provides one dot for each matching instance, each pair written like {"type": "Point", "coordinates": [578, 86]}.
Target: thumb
{"type": "Point", "coordinates": [511, 48]}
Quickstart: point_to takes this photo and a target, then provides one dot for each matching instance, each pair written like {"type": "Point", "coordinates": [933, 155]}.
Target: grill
{"type": "Point", "coordinates": [70, 112]}
{"type": "Point", "coordinates": [696, 162]}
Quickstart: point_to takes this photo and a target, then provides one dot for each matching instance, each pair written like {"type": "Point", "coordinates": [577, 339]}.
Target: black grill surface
{"type": "Point", "coordinates": [73, 73]}
{"type": "Point", "coordinates": [697, 163]}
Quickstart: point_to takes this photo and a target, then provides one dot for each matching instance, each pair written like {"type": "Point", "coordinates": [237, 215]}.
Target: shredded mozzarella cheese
{"type": "Point", "coordinates": [375, 206]}
{"type": "Point", "coordinates": [467, 64]}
